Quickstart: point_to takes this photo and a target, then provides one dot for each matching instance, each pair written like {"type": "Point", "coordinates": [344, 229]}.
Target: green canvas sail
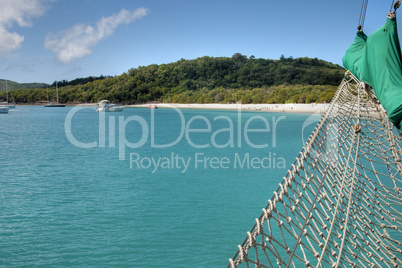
{"type": "Point", "coordinates": [376, 60]}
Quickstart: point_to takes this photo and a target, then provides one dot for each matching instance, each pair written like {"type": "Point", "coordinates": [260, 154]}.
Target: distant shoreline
{"type": "Point", "coordinates": [288, 107]}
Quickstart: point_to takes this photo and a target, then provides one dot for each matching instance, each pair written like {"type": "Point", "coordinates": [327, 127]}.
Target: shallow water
{"type": "Point", "coordinates": [114, 204]}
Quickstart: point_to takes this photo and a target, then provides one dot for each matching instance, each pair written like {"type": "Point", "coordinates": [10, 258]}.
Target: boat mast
{"type": "Point", "coordinates": [6, 92]}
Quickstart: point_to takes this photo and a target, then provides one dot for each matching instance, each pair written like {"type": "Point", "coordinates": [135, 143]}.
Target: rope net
{"type": "Point", "coordinates": [340, 204]}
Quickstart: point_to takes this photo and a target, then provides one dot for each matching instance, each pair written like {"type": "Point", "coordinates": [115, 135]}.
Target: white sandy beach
{"type": "Point", "coordinates": [289, 107]}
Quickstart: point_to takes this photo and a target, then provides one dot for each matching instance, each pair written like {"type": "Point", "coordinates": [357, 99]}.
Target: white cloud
{"type": "Point", "coordinates": [79, 40]}
{"type": "Point", "coordinates": [20, 12]}
{"type": "Point", "coordinates": [9, 41]}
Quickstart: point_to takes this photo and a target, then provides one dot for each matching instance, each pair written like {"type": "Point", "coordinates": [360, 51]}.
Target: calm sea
{"type": "Point", "coordinates": [139, 188]}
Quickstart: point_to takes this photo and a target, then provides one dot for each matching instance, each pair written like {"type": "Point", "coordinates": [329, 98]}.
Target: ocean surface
{"type": "Point", "coordinates": [138, 188]}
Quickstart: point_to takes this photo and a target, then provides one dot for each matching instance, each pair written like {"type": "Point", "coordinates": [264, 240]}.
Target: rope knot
{"type": "Point", "coordinates": [251, 240]}
{"type": "Point", "coordinates": [232, 263]}
{"type": "Point", "coordinates": [242, 254]}
{"type": "Point", "coordinates": [267, 214]}
{"type": "Point", "coordinates": [258, 226]}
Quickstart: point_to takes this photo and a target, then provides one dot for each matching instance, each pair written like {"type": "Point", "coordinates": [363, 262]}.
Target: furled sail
{"type": "Point", "coordinates": [376, 60]}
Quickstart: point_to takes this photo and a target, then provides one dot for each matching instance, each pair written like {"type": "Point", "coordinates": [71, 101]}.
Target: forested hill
{"type": "Point", "coordinates": [206, 80]}
{"type": "Point", "coordinates": [11, 85]}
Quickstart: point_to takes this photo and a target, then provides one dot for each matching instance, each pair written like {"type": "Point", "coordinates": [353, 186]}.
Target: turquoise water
{"type": "Point", "coordinates": [83, 189]}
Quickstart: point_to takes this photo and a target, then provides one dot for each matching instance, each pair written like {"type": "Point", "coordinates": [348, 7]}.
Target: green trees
{"type": "Point", "coordinates": [205, 80]}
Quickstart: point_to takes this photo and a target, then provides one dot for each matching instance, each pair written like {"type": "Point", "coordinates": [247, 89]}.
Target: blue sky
{"type": "Point", "coordinates": [48, 40]}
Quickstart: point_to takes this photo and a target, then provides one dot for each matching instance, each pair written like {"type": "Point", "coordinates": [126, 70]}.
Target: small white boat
{"type": "Point", "coordinates": [5, 104]}
{"type": "Point", "coordinates": [3, 109]}
{"type": "Point", "coordinates": [106, 106]}
{"type": "Point", "coordinates": [152, 106]}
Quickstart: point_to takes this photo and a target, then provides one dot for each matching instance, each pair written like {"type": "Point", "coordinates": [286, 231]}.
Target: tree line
{"type": "Point", "coordinates": [79, 81]}
{"type": "Point", "coordinates": [204, 80]}
{"type": "Point", "coordinates": [11, 85]}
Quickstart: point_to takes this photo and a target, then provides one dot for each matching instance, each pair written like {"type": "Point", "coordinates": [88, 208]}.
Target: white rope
{"type": "Point", "coordinates": [349, 201]}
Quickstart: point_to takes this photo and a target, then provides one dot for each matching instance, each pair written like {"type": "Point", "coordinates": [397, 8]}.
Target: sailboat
{"type": "Point", "coordinates": [7, 104]}
{"type": "Point", "coordinates": [52, 104]}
